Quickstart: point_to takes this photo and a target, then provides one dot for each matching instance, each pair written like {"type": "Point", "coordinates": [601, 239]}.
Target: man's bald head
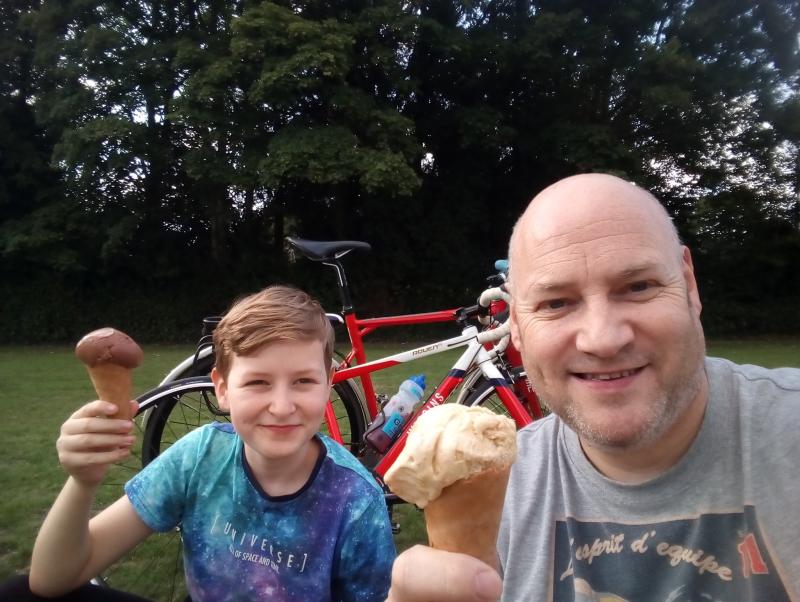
{"type": "Point", "coordinates": [606, 315]}
{"type": "Point", "coordinates": [575, 202]}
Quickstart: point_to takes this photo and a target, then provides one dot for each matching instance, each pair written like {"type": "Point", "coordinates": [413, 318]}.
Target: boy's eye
{"type": "Point", "coordinates": [307, 381]}
{"type": "Point", "coordinates": [256, 383]}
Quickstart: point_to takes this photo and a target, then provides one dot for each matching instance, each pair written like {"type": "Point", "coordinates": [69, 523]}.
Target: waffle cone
{"type": "Point", "coordinates": [466, 516]}
{"type": "Point", "coordinates": [114, 384]}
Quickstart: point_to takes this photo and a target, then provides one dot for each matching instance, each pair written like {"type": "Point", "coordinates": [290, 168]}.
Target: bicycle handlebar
{"type": "Point", "coordinates": [473, 311]}
{"type": "Point", "coordinates": [482, 309]}
{"type": "Point", "coordinates": [495, 293]}
{"type": "Point", "coordinates": [500, 336]}
{"type": "Point", "coordinates": [495, 334]}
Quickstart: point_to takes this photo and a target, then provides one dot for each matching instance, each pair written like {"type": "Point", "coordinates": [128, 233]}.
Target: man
{"type": "Point", "coordinates": [660, 475]}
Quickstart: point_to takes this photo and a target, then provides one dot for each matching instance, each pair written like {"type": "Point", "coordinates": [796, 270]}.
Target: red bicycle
{"type": "Point", "coordinates": [488, 371]}
{"type": "Point", "coordinates": [182, 403]}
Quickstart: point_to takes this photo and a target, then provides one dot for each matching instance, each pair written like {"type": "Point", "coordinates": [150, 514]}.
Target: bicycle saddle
{"type": "Point", "coordinates": [320, 250]}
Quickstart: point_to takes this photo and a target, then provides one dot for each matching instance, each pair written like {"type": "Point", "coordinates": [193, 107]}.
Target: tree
{"type": "Point", "coordinates": [33, 217]}
{"type": "Point", "coordinates": [161, 141]}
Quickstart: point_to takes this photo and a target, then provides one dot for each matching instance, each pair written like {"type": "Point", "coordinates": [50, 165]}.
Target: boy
{"type": "Point", "coordinates": [268, 508]}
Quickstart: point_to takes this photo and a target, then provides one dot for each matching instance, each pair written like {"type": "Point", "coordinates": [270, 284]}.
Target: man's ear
{"type": "Point", "coordinates": [220, 388]}
{"type": "Point", "coordinates": [512, 322]}
{"type": "Point", "coordinates": [691, 283]}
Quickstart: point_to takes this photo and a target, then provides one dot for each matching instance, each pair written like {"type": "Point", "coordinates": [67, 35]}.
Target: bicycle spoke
{"type": "Point", "coordinates": [154, 569]}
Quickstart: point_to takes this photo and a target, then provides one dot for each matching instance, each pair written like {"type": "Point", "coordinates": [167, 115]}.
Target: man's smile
{"type": "Point", "coordinates": [607, 375]}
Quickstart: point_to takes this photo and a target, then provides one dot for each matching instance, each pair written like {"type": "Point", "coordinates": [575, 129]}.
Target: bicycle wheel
{"type": "Point", "coordinates": [180, 407]}
{"type": "Point", "coordinates": [185, 405]}
{"type": "Point", "coordinates": [350, 410]}
{"type": "Point", "coordinates": [154, 569]}
{"type": "Point", "coordinates": [201, 366]}
{"type": "Point", "coordinates": [482, 393]}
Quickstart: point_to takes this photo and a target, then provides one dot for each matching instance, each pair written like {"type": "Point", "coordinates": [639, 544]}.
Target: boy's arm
{"type": "Point", "coordinates": [70, 548]}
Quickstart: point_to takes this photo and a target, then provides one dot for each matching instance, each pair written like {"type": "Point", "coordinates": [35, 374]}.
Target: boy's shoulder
{"type": "Point", "coordinates": [220, 427]}
{"type": "Point", "coordinates": [214, 436]}
{"type": "Point", "coordinates": [347, 466]}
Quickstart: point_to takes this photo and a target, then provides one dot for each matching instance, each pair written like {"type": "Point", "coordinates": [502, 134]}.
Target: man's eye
{"type": "Point", "coordinates": [555, 304]}
{"type": "Point", "coordinates": [641, 290]}
{"type": "Point", "coordinates": [552, 305]}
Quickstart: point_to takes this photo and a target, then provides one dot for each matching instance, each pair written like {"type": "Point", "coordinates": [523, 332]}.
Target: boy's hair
{"type": "Point", "coordinates": [278, 313]}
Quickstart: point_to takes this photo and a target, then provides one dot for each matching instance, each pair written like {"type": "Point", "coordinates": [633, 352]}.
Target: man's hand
{"type": "Point", "coordinates": [422, 574]}
{"type": "Point", "coordinates": [92, 439]}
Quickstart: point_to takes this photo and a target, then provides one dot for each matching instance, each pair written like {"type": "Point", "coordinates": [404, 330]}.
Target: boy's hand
{"type": "Point", "coordinates": [424, 574]}
{"type": "Point", "coordinates": [92, 439]}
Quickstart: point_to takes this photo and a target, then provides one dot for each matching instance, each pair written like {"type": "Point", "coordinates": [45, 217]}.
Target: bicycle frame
{"type": "Point", "coordinates": [355, 365]}
{"type": "Point", "coordinates": [206, 349]}
{"type": "Point", "coordinates": [474, 354]}
{"type": "Point", "coordinates": [329, 253]}
{"type": "Point", "coordinates": [358, 328]}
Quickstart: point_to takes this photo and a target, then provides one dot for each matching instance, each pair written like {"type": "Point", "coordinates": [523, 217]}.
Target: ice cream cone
{"type": "Point", "coordinates": [114, 384]}
{"type": "Point", "coordinates": [466, 516]}
{"type": "Point", "coordinates": [455, 466]}
{"type": "Point", "coordinates": [109, 355]}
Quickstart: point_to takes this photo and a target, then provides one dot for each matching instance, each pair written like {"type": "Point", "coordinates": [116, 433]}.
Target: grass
{"type": "Point", "coordinates": [772, 353]}
{"type": "Point", "coordinates": [43, 385]}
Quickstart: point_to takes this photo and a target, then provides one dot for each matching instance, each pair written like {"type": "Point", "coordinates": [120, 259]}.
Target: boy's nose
{"type": "Point", "coordinates": [603, 330]}
{"type": "Point", "coordinates": [280, 402]}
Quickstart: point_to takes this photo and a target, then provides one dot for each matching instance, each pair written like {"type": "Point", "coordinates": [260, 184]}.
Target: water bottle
{"type": "Point", "coordinates": [388, 424]}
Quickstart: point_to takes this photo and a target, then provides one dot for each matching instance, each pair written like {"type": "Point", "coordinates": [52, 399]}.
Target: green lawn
{"type": "Point", "coordinates": [41, 386]}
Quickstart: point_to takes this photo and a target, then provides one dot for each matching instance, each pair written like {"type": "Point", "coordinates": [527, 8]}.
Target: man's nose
{"type": "Point", "coordinates": [604, 329]}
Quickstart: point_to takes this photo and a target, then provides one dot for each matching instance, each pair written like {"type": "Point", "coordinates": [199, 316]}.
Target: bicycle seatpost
{"type": "Point", "coordinates": [344, 289]}
{"type": "Point", "coordinates": [330, 253]}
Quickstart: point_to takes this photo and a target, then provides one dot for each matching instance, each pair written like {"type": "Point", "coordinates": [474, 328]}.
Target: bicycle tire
{"type": "Point", "coordinates": [482, 393]}
{"type": "Point", "coordinates": [154, 569]}
{"type": "Point", "coordinates": [184, 405]}
{"type": "Point", "coordinates": [202, 366]}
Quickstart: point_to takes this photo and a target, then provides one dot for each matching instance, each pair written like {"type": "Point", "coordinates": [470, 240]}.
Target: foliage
{"type": "Point", "coordinates": [173, 145]}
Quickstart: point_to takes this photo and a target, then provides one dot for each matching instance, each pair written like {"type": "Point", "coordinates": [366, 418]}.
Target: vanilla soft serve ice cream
{"type": "Point", "coordinates": [455, 465]}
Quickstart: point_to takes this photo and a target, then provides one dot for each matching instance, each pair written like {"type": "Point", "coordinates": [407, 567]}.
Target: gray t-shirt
{"type": "Point", "coordinates": [721, 525]}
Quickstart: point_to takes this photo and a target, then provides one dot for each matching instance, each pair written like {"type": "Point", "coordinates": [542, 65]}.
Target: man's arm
{"type": "Point", "coordinates": [422, 574]}
{"type": "Point", "coordinates": [70, 548]}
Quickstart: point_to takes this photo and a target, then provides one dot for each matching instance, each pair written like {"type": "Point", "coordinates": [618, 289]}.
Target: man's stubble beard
{"type": "Point", "coordinates": [667, 407]}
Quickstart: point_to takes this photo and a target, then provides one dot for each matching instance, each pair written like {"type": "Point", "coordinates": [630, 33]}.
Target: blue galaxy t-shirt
{"type": "Point", "coordinates": [331, 540]}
